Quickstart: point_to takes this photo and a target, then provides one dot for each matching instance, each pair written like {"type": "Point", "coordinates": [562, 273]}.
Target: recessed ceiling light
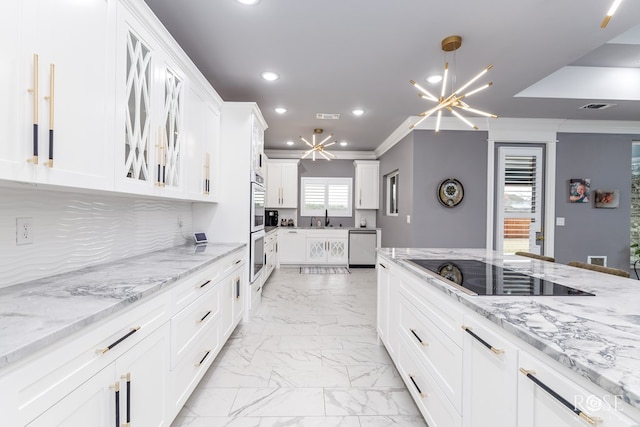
{"type": "Point", "coordinates": [249, 2]}
{"type": "Point", "coordinates": [270, 75]}
{"type": "Point", "coordinates": [358, 112]}
{"type": "Point", "coordinates": [280, 110]}
{"type": "Point", "coordinates": [436, 78]}
{"type": "Point", "coordinates": [290, 143]}
{"type": "Point", "coordinates": [343, 143]}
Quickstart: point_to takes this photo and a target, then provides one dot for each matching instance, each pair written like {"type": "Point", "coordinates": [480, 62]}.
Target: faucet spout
{"type": "Point", "coordinates": [326, 218]}
{"type": "Point", "coordinates": [313, 219]}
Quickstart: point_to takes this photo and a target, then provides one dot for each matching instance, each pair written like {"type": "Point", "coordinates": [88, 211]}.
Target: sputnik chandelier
{"type": "Point", "coordinates": [610, 13]}
{"type": "Point", "coordinates": [319, 148]}
{"type": "Point", "coordinates": [456, 99]}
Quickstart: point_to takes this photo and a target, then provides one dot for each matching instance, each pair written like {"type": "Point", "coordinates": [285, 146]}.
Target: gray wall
{"type": "Point", "coordinates": [449, 154]}
{"type": "Point", "coordinates": [323, 168]}
{"type": "Point", "coordinates": [606, 160]}
{"type": "Point", "coordinates": [395, 230]}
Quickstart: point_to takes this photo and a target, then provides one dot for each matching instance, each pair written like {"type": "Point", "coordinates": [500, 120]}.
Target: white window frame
{"type": "Point", "coordinates": [394, 174]}
{"type": "Point", "coordinates": [326, 182]}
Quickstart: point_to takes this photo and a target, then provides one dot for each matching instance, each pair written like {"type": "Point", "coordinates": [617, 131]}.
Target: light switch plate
{"type": "Point", "coordinates": [560, 221]}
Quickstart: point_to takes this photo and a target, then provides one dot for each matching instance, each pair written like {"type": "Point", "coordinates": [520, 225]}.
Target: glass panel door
{"type": "Point", "coordinates": [519, 201]}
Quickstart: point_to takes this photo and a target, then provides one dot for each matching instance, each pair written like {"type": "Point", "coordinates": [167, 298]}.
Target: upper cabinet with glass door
{"type": "Point", "coordinates": [167, 118]}
{"type": "Point", "coordinates": [56, 84]}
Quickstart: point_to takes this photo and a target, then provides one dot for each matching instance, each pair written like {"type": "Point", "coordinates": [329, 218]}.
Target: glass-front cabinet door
{"type": "Point", "coordinates": [170, 142]}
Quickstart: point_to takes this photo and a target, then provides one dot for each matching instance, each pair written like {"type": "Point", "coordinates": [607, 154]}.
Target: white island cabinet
{"type": "Point", "coordinates": [327, 246]}
{"type": "Point", "coordinates": [292, 243]}
{"type": "Point", "coordinates": [464, 365]}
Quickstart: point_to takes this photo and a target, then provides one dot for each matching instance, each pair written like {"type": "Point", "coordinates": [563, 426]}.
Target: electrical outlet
{"type": "Point", "coordinates": [408, 219]}
{"type": "Point", "coordinates": [24, 231]}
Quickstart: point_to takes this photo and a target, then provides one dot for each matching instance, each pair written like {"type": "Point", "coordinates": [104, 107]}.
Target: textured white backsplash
{"type": "Point", "coordinates": [77, 230]}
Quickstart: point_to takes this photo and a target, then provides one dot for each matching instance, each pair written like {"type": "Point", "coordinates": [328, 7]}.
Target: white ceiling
{"type": "Point", "coordinates": [550, 57]}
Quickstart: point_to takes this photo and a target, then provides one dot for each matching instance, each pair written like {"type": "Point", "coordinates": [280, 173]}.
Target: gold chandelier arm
{"type": "Point", "coordinates": [438, 121]}
{"type": "Point", "coordinates": [306, 142]}
{"type": "Point", "coordinates": [324, 155]}
{"type": "Point", "coordinates": [427, 94]}
{"type": "Point", "coordinates": [458, 115]}
{"type": "Point", "coordinates": [470, 82]}
{"type": "Point", "coordinates": [482, 113]}
{"type": "Point", "coordinates": [325, 140]}
{"type": "Point", "coordinates": [483, 87]}
{"type": "Point", "coordinates": [610, 13]}
{"type": "Point", "coordinates": [328, 145]}
{"type": "Point", "coordinates": [444, 79]}
{"type": "Point", "coordinates": [306, 154]}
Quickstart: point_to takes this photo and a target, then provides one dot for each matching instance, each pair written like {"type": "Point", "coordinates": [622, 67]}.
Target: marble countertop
{"type": "Point", "coordinates": [38, 313]}
{"type": "Point", "coordinates": [596, 336]}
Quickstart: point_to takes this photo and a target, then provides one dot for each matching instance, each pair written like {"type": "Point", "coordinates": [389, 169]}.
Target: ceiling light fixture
{"type": "Point", "coordinates": [280, 110]}
{"type": "Point", "coordinates": [358, 112]}
{"type": "Point", "coordinates": [319, 148]}
{"type": "Point", "coordinates": [270, 76]}
{"type": "Point", "coordinates": [290, 143]}
{"type": "Point", "coordinates": [455, 100]}
{"type": "Point", "coordinates": [343, 143]}
{"type": "Point", "coordinates": [248, 2]}
{"type": "Point", "coordinates": [610, 13]}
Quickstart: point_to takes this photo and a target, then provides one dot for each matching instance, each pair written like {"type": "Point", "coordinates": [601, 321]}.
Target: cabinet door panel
{"type": "Point", "coordinates": [147, 367]}
{"type": "Point", "coordinates": [14, 150]}
{"type": "Point", "coordinates": [75, 69]}
{"type": "Point", "coordinates": [289, 184]}
{"type": "Point", "coordinates": [91, 404]}
{"type": "Point", "coordinates": [292, 246]}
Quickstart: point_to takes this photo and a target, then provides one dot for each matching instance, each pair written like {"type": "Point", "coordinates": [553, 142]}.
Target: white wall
{"type": "Point", "coordinates": [74, 230]}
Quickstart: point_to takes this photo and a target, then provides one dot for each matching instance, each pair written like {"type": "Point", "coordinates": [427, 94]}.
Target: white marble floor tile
{"type": "Point", "coordinates": [262, 402]}
{"type": "Point", "coordinates": [209, 402]}
{"type": "Point", "coordinates": [190, 421]}
{"type": "Point", "coordinates": [374, 376]}
{"type": "Point", "coordinates": [355, 356]}
{"type": "Point", "coordinates": [292, 358]}
{"type": "Point", "coordinates": [309, 422]}
{"type": "Point", "coordinates": [323, 376]}
{"type": "Point", "coordinates": [369, 401]}
{"type": "Point", "coordinates": [392, 421]}
{"type": "Point", "coordinates": [369, 341]}
{"type": "Point", "coordinates": [236, 377]}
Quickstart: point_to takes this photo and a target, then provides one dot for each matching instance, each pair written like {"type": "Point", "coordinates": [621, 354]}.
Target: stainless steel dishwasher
{"type": "Point", "coordinates": [362, 248]}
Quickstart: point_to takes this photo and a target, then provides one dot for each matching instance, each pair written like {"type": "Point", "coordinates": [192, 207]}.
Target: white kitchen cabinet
{"type": "Point", "coordinates": [257, 145]}
{"type": "Point", "coordinates": [327, 247]}
{"type": "Point", "coordinates": [232, 301]}
{"type": "Point", "coordinates": [137, 378]}
{"type": "Point", "coordinates": [490, 366]}
{"type": "Point", "coordinates": [367, 184]}
{"type": "Point", "coordinates": [282, 184]}
{"type": "Point", "coordinates": [292, 246]}
{"type": "Point", "coordinates": [271, 253]}
{"type": "Point", "coordinates": [64, 87]}
{"type": "Point", "coordinates": [546, 397]}
{"type": "Point", "coordinates": [14, 151]}
{"type": "Point", "coordinates": [383, 282]}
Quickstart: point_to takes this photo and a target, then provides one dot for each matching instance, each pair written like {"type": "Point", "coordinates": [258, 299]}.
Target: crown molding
{"type": "Point", "coordinates": [340, 155]}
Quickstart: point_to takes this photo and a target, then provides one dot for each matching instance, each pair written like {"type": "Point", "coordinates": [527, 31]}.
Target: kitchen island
{"type": "Point", "coordinates": [590, 342]}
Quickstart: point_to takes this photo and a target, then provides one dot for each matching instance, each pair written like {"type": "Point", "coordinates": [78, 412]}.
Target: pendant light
{"type": "Point", "coordinates": [319, 148]}
{"type": "Point", "coordinates": [455, 102]}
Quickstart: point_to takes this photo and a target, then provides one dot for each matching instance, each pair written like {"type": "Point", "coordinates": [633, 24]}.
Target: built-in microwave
{"type": "Point", "coordinates": [256, 255]}
{"type": "Point", "coordinates": [257, 207]}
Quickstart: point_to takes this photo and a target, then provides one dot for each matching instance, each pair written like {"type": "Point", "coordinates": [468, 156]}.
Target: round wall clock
{"type": "Point", "coordinates": [450, 192]}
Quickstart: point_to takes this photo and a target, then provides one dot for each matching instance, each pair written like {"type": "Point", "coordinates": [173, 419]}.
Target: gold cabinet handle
{"type": "Point", "coordinates": [119, 340]}
{"type": "Point", "coordinates": [204, 317]}
{"type": "Point", "coordinates": [203, 359]}
{"type": "Point", "coordinates": [51, 99]}
{"type": "Point", "coordinates": [423, 395]}
{"type": "Point", "coordinates": [468, 330]}
{"type": "Point", "coordinates": [207, 173]}
{"type": "Point", "coordinates": [34, 91]}
{"type": "Point", "coordinates": [423, 343]}
{"type": "Point", "coordinates": [592, 421]}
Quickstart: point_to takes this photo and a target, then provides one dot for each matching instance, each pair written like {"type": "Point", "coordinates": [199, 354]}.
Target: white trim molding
{"type": "Point", "coordinates": [340, 155]}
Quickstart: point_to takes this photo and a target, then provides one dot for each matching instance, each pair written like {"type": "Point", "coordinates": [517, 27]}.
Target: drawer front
{"type": "Point", "coordinates": [197, 284]}
{"type": "Point", "coordinates": [61, 368]}
{"type": "Point", "coordinates": [436, 410]}
{"type": "Point", "coordinates": [537, 407]}
{"type": "Point", "coordinates": [440, 355]}
{"type": "Point", "coordinates": [439, 308]}
{"type": "Point", "coordinates": [197, 359]}
{"type": "Point", "coordinates": [188, 324]}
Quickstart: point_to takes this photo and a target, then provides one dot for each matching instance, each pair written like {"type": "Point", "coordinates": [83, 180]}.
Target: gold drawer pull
{"type": "Point", "coordinates": [115, 343]}
{"type": "Point", "coordinates": [203, 317]}
{"type": "Point", "coordinates": [203, 358]}
{"type": "Point", "coordinates": [423, 343]}
{"type": "Point", "coordinates": [468, 330]}
{"type": "Point", "coordinates": [423, 395]}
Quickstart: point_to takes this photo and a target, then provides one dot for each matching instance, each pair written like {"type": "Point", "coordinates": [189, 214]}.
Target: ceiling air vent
{"type": "Point", "coordinates": [596, 106]}
{"type": "Point", "coordinates": [326, 116]}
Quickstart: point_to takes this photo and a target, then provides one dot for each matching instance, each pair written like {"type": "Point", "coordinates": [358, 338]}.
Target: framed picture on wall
{"type": "Point", "coordinates": [609, 199]}
{"type": "Point", "coordinates": [579, 190]}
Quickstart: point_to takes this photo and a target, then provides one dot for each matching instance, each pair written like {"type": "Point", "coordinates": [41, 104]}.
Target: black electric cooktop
{"type": "Point", "coordinates": [479, 278]}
